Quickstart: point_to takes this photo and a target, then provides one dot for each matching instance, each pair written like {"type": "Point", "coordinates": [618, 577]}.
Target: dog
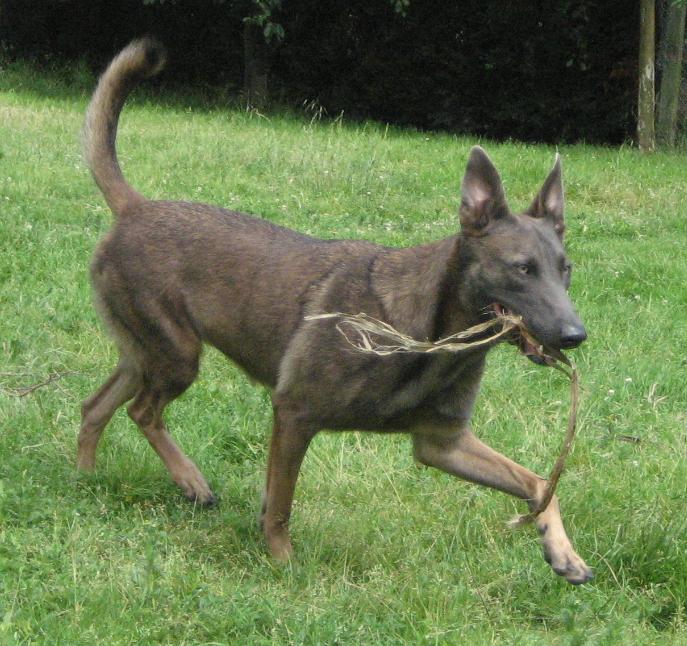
{"type": "Point", "coordinates": [171, 276]}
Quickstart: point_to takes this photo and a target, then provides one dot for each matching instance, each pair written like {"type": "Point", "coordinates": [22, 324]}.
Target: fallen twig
{"type": "Point", "coordinates": [22, 391]}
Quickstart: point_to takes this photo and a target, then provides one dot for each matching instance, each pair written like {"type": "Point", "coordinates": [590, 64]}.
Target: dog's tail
{"type": "Point", "coordinates": [139, 60]}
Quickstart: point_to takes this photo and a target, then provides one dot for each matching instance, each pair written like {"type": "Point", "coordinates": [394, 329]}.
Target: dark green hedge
{"type": "Point", "coordinates": [538, 71]}
{"type": "Point", "coordinates": [546, 71]}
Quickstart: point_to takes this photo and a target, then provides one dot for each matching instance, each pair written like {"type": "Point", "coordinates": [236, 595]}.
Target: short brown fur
{"type": "Point", "coordinates": [170, 276]}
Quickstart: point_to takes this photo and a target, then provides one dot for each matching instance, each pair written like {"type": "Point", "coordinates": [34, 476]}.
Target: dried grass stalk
{"type": "Point", "coordinates": [367, 334]}
{"type": "Point", "coordinates": [360, 331]}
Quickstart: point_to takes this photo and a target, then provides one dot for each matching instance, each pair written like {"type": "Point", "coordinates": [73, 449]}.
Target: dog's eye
{"type": "Point", "coordinates": [567, 268]}
{"type": "Point", "coordinates": [524, 268]}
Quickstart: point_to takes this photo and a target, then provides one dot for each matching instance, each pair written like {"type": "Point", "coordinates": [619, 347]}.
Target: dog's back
{"type": "Point", "coordinates": [235, 281]}
{"type": "Point", "coordinates": [192, 272]}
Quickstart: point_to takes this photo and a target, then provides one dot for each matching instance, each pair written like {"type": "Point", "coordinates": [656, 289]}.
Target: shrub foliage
{"type": "Point", "coordinates": [562, 71]}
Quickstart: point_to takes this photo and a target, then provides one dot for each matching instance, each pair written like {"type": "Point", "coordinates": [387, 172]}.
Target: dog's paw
{"type": "Point", "coordinates": [566, 562]}
{"type": "Point", "coordinates": [207, 500]}
{"type": "Point", "coordinates": [280, 548]}
{"type": "Point", "coordinates": [195, 488]}
{"type": "Point", "coordinates": [277, 539]}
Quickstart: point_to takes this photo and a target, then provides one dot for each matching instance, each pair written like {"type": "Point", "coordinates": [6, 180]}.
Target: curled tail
{"type": "Point", "coordinates": [139, 60]}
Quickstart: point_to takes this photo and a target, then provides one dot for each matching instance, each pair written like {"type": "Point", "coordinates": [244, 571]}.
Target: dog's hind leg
{"type": "Point", "coordinates": [460, 453]}
{"type": "Point", "coordinates": [163, 381]}
{"type": "Point", "coordinates": [97, 410]}
{"type": "Point", "coordinates": [291, 437]}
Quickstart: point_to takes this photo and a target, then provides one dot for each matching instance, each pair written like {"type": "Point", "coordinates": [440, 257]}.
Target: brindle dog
{"type": "Point", "coordinates": [172, 275]}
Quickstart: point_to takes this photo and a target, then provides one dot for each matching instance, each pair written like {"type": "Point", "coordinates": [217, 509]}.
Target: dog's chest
{"type": "Point", "coordinates": [396, 393]}
{"type": "Point", "coordinates": [427, 384]}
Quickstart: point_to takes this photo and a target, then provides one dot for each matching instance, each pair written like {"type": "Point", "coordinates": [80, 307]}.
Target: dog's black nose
{"type": "Point", "coordinates": [572, 336]}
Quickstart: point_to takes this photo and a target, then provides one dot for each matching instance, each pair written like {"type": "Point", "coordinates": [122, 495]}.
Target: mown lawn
{"type": "Point", "coordinates": [388, 552]}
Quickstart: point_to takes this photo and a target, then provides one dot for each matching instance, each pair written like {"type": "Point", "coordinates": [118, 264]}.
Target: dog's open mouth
{"type": "Point", "coordinates": [526, 342]}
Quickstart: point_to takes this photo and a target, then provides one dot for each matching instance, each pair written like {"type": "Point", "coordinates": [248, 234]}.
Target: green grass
{"type": "Point", "coordinates": [388, 552]}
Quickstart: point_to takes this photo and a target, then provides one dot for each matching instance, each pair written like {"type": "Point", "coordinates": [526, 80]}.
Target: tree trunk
{"type": "Point", "coordinates": [256, 66]}
{"type": "Point", "coordinates": [674, 39]}
{"type": "Point", "coordinates": [646, 98]}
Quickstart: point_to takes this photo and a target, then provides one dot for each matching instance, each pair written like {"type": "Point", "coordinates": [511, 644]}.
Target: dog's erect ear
{"type": "Point", "coordinates": [482, 196]}
{"type": "Point", "coordinates": [549, 202]}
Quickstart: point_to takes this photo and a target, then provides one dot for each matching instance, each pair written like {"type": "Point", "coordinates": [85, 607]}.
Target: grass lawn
{"type": "Point", "coordinates": [388, 552]}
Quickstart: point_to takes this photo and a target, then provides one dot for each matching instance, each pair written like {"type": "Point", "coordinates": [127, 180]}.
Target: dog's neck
{"type": "Point", "coordinates": [419, 289]}
{"type": "Point", "coordinates": [453, 309]}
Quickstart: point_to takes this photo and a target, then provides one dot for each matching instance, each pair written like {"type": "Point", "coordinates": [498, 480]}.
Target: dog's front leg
{"type": "Point", "coordinates": [460, 453]}
{"type": "Point", "coordinates": [291, 436]}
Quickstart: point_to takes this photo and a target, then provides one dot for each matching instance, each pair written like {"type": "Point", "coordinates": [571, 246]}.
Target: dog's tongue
{"type": "Point", "coordinates": [531, 351]}
{"type": "Point", "coordinates": [525, 343]}
{"type": "Point", "coordinates": [528, 347]}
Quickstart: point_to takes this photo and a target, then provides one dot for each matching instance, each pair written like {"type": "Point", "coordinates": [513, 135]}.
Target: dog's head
{"type": "Point", "coordinates": [516, 263]}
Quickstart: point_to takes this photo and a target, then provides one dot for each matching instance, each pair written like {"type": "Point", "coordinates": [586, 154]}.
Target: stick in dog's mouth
{"type": "Point", "coordinates": [370, 335]}
{"type": "Point", "coordinates": [367, 334]}
{"type": "Point", "coordinates": [529, 346]}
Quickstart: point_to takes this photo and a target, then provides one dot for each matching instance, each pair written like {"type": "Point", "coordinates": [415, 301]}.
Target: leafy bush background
{"type": "Point", "coordinates": [536, 71]}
